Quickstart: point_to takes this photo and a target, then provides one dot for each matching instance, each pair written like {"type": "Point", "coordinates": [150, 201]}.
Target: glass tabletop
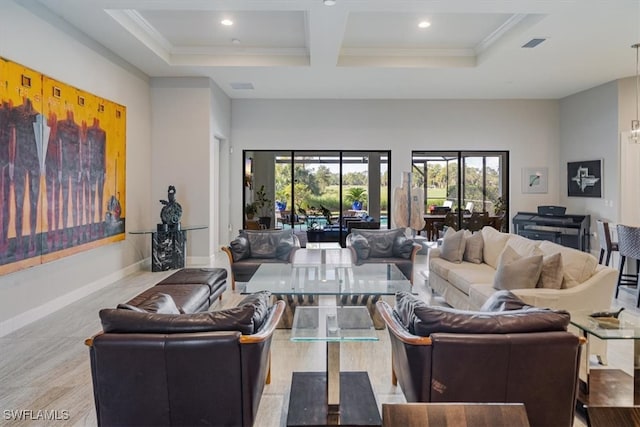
{"type": "Point", "coordinates": [332, 324]}
{"type": "Point", "coordinates": [182, 228]}
{"type": "Point", "coordinates": [626, 326]}
{"type": "Point", "coordinates": [327, 279]}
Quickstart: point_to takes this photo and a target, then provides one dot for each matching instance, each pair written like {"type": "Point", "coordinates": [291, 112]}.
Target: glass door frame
{"type": "Point", "coordinates": [459, 157]}
{"type": "Point", "coordinates": [248, 178]}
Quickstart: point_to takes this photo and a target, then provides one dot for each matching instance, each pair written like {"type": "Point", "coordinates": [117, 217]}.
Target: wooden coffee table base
{"type": "Point", "coordinates": [308, 400]}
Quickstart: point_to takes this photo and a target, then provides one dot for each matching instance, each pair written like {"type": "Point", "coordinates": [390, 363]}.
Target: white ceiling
{"type": "Point", "coordinates": [368, 48]}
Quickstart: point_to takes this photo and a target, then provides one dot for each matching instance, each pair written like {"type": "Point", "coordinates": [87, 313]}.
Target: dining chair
{"type": "Point", "coordinates": [476, 221]}
{"type": "Point", "coordinates": [606, 245]}
{"type": "Point", "coordinates": [628, 247]}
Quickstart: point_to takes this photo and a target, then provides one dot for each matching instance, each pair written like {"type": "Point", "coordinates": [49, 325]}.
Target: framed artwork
{"type": "Point", "coordinates": [62, 169]}
{"type": "Point", "coordinates": [584, 179]}
{"type": "Point", "coordinates": [535, 180]}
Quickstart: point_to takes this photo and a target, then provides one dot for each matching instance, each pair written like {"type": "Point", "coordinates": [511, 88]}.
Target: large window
{"type": "Point", "coordinates": [317, 190]}
{"type": "Point", "coordinates": [464, 181]}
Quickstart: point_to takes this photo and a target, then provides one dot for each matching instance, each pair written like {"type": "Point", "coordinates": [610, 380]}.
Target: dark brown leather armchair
{"type": "Point", "coordinates": [196, 378]}
{"type": "Point", "coordinates": [539, 369]}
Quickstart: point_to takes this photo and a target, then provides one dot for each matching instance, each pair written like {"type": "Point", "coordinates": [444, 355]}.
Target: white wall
{"type": "Point", "coordinates": [527, 129]}
{"type": "Point", "coordinates": [188, 113]}
{"type": "Point", "coordinates": [33, 42]}
{"type": "Point", "coordinates": [589, 131]}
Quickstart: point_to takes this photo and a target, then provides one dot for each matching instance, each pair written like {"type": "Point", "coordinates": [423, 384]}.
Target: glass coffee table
{"type": "Point", "coordinates": [332, 397]}
{"type": "Point", "coordinates": [328, 272]}
{"type": "Point", "coordinates": [610, 387]}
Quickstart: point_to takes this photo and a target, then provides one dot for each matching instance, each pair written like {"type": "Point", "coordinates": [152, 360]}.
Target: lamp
{"type": "Point", "coordinates": [634, 136]}
{"type": "Point", "coordinates": [329, 2]}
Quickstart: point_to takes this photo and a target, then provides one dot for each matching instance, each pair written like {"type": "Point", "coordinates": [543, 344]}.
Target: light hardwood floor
{"type": "Point", "coordinates": [45, 365]}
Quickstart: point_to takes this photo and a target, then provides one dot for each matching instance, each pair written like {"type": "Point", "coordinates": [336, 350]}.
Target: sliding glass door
{"type": "Point", "coordinates": [319, 191]}
{"type": "Point", "coordinates": [464, 182]}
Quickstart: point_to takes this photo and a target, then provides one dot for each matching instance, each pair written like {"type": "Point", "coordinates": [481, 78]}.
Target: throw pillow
{"type": "Point", "coordinates": [552, 272]}
{"type": "Point", "coordinates": [361, 246]}
{"type": "Point", "coordinates": [503, 301]}
{"type": "Point", "coordinates": [157, 303]}
{"type": "Point", "coordinates": [494, 243]}
{"type": "Point", "coordinates": [452, 248]}
{"type": "Point", "coordinates": [402, 247]}
{"type": "Point", "coordinates": [261, 303]}
{"type": "Point", "coordinates": [473, 245]}
{"type": "Point", "coordinates": [516, 272]}
{"type": "Point", "coordinates": [240, 248]}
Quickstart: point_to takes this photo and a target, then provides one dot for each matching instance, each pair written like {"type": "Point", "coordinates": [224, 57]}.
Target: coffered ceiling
{"type": "Point", "coordinates": [367, 48]}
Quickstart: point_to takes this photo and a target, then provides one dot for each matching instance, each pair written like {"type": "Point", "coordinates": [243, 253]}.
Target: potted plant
{"type": "Point", "coordinates": [355, 196]}
{"type": "Point", "coordinates": [263, 205]}
{"type": "Point", "coordinates": [250, 210]}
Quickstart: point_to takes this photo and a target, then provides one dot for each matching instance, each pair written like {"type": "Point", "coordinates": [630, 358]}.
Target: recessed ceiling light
{"type": "Point", "coordinates": [329, 2]}
{"type": "Point", "coordinates": [235, 41]}
{"type": "Point", "coordinates": [226, 22]}
{"type": "Point", "coordinates": [424, 24]}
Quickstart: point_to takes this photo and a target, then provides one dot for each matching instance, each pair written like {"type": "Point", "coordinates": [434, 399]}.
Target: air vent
{"type": "Point", "coordinates": [242, 86]}
{"type": "Point", "coordinates": [533, 43]}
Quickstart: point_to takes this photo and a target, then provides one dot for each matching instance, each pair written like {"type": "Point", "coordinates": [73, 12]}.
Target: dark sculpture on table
{"type": "Point", "coordinates": [171, 212]}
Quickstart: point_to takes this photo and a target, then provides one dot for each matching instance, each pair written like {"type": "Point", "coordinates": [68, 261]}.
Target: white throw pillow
{"type": "Point", "coordinates": [517, 272]}
{"type": "Point", "coordinates": [552, 272]}
{"type": "Point", "coordinates": [494, 243]}
{"type": "Point", "coordinates": [452, 248]}
{"type": "Point", "coordinates": [473, 247]}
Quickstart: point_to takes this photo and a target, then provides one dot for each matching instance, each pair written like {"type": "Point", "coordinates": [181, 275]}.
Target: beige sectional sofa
{"type": "Point", "coordinates": [583, 283]}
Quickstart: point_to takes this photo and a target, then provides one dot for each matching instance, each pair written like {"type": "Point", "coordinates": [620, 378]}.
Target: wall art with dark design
{"type": "Point", "coordinates": [62, 169]}
{"type": "Point", "coordinates": [584, 179]}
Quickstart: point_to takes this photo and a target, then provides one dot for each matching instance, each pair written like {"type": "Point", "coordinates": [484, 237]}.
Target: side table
{"type": "Point", "coordinates": [169, 248]}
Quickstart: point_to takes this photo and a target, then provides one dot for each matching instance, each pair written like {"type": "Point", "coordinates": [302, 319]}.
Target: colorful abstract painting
{"type": "Point", "coordinates": [62, 165]}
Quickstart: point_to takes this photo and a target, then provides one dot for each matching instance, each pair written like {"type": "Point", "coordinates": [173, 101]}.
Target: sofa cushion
{"type": "Point", "coordinates": [428, 320]}
{"type": "Point", "coordinates": [452, 248]}
{"type": "Point", "coordinates": [479, 293]}
{"type": "Point", "coordinates": [466, 274]}
{"type": "Point", "coordinates": [473, 247]}
{"type": "Point", "coordinates": [285, 245]}
{"type": "Point", "coordinates": [494, 243]}
{"type": "Point", "coordinates": [503, 301]}
{"type": "Point", "coordinates": [126, 321]}
{"type": "Point", "coordinates": [361, 245]}
{"type": "Point", "coordinates": [380, 241]}
{"type": "Point", "coordinates": [188, 298]}
{"type": "Point", "coordinates": [552, 272]}
{"type": "Point", "coordinates": [240, 248]}
{"type": "Point", "coordinates": [264, 243]}
{"type": "Point", "coordinates": [578, 266]}
{"type": "Point", "coordinates": [517, 272]}
{"type": "Point", "coordinates": [261, 303]}
{"type": "Point", "coordinates": [523, 246]}
{"type": "Point", "coordinates": [155, 303]}
{"type": "Point", "coordinates": [212, 277]}
{"type": "Point", "coordinates": [405, 307]}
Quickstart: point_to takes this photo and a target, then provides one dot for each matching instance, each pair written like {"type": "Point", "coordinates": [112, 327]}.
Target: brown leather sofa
{"type": "Point", "coordinates": [252, 248]}
{"type": "Point", "coordinates": [384, 246]}
{"type": "Point", "coordinates": [515, 356]}
{"type": "Point", "coordinates": [205, 368]}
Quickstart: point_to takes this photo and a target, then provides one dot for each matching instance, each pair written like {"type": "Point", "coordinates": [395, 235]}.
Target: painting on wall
{"type": "Point", "coordinates": [62, 166]}
{"type": "Point", "coordinates": [584, 179]}
{"type": "Point", "coordinates": [535, 180]}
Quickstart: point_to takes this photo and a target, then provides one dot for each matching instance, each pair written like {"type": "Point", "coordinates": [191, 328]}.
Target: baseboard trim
{"type": "Point", "coordinates": [37, 313]}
